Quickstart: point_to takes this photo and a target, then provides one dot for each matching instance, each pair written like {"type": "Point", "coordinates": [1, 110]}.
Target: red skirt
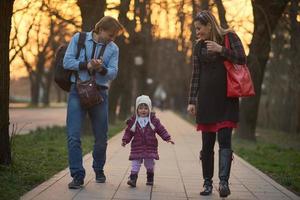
{"type": "Point", "coordinates": [214, 127]}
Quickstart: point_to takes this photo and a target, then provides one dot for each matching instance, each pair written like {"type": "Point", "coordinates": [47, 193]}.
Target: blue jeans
{"type": "Point", "coordinates": [99, 118]}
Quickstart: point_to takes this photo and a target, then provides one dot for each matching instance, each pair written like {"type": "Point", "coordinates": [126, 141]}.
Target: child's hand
{"type": "Point", "coordinates": [123, 144]}
{"type": "Point", "coordinates": [170, 141]}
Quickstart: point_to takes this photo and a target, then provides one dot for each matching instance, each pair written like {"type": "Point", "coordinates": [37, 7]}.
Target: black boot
{"type": "Point", "coordinates": [225, 158]}
{"type": "Point", "coordinates": [207, 159]}
{"type": "Point", "coordinates": [150, 178]}
{"type": "Point", "coordinates": [207, 188]}
{"type": "Point", "coordinates": [132, 180]}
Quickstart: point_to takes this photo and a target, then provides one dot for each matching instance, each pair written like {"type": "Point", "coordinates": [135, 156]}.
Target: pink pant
{"type": "Point", "coordinates": [136, 165]}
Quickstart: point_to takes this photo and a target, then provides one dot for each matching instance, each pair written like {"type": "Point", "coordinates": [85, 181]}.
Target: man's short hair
{"type": "Point", "coordinates": [108, 23]}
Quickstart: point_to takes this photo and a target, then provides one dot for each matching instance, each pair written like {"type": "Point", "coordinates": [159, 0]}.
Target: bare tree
{"type": "Point", "coordinates": [121, 88]}
{"type": "Point", "coordinates": [272, 109]}
{"type": "Point", "coordinates": [6, 8]}
{"type": "Point", "coordinates": [131, 77]}
{"type": "Point", "coordinates": [143, 13]}
{"type": "Point", "coordinates": [294, 84]}
{"type": "Point", "coordinates": [222, 13]}
{"type": "Point", "coordinates": [15, 46]}
{"type": "Point", "coordinates": [38, 48]}
{"type": "Point", "coordinates": [204, 5]}
{"type": "Point", "coordinates": [266, 15]}
{"type": "Point", "coordinates": [91, 12]}
{"type": "Point", "coordinates": [37, 74]}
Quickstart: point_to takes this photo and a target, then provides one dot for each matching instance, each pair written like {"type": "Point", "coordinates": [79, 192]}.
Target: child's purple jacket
{"type": "Point", "coordinates": [144, 143]}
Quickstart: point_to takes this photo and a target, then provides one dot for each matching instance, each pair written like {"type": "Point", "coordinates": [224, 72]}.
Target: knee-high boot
{"type": "Point", "coordinates": [225, 158]}
{"type": "Point", "coordinates": [207, 159]}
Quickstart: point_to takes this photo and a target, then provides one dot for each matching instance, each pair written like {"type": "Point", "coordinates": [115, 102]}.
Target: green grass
{"type": "Point", "coordinates": [37, 157]}
{"type": "Point", "coordinates": [279, 160]}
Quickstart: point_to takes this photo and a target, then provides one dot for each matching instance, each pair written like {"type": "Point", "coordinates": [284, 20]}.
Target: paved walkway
{"type": "Point", "coordinates": [24, 120]}
{"type": "Point", "coordinates": [177, 174]}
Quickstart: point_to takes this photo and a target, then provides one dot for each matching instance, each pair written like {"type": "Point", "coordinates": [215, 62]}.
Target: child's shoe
{"type": "Point", "coordinates": [150, 177]}
{"type": "Point", "coordinates": [132, 180]}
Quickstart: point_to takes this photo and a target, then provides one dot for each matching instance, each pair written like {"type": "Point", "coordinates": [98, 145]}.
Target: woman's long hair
{"type": "Point", "coordinates": [217, 32]}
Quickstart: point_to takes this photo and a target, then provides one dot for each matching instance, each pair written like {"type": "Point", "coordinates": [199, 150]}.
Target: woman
{"type": "Point", "coordinates": [215, 112]}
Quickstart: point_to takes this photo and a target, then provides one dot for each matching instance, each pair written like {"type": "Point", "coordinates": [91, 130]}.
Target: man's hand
{"type": "Point", "coordinates": [99, 65]}
{"type": "Point", "coordinates": [95, 64]}
{"type": "Point", "coordinates": [90, 66]}
{"type": "Point", "coordinates": [191, 109]}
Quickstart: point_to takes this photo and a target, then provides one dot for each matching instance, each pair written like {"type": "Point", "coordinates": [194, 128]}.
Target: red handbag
{"type": "Point", "coordinates": [239, 82]}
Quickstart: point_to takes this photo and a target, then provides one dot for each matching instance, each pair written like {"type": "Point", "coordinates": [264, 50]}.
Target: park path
{"type": "Point", "coordinates": [24, 120]}
{"type": "Point", "coordinates": [177, 174]}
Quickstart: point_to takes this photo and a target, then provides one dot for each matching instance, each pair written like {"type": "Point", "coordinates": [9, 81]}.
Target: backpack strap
{"type": "Point", "coordinates": [80, 43]}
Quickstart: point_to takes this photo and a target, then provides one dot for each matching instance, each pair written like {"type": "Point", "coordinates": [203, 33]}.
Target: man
{"type": "Point", "coordinates": [106, 68]}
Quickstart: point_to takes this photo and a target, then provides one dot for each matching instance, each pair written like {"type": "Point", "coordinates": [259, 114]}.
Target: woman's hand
{"type": "Point", "coordinates": [213, 47]}
{"type": "Point", "coordinates": [191, 109]}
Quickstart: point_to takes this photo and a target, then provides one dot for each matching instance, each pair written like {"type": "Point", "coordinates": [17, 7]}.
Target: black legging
{"type": "Point", "coordinates": [209, 139]}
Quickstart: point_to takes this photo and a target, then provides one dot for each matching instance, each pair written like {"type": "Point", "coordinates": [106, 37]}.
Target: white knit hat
{"type": "Point", "coordinates": [139, 100]}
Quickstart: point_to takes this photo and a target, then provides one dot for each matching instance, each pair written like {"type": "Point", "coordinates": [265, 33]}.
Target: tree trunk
{"type": "Point", "coordinates": [266, 15]}
{"type": "Point", "coordinates": [6, 8]}
{"type": "Point", "coordinates": [121, 88]}
{"type": "Point", "coordinates": [120, 91]}
{"type": "Point", "coordinates": [91, 12]}
{"type": "Point", "coordinates": [49, 74]}
{"type": "Point", "coordinates": [34, 87]}
{"type": "Point", "coordinates": [294, 72]}
{"type": "Point", "coordinates": [222, 13]}
{"type": "Point", "coordinates": [204, 5]}
{"type": "Point", "coordinates": [143, 12]}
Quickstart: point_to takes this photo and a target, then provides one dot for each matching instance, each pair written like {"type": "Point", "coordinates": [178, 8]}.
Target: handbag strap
{"type": "Point", "coordinates": [227, 42]}
{"type": "Point", "coordinates": [99, 56]}
{"type": "Point", "coordinates": [227, 45]}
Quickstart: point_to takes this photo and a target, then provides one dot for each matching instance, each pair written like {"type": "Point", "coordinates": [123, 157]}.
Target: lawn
{"type": "Point", "coordinates": [275, 153]}
{"type": "Point", "coordinates": [37, 157]}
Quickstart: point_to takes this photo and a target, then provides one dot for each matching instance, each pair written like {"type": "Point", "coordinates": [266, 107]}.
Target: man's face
{"type": "Point", "coordinates": [107, 36]}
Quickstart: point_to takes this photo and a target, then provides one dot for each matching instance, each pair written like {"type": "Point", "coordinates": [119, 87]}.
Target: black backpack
{"type": "Point", "coordinates": [61, 75]}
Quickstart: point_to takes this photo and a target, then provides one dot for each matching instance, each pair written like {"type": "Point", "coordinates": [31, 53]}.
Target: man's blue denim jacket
{"type": "Point", "coordinates": [110, 59]}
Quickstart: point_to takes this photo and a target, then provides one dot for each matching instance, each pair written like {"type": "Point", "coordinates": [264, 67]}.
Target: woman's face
{"type": "Point", "coordinates": [143, 110]}
{"type": "Point", "coordinates": [202, 31]}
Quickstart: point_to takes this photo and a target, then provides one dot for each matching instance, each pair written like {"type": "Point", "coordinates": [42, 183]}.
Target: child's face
{"type": "Point", "coordinates": [143, 110]}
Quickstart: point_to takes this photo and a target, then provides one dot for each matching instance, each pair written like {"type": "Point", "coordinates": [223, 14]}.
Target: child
{"type": "Point", "coordinates": [142, 128]}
